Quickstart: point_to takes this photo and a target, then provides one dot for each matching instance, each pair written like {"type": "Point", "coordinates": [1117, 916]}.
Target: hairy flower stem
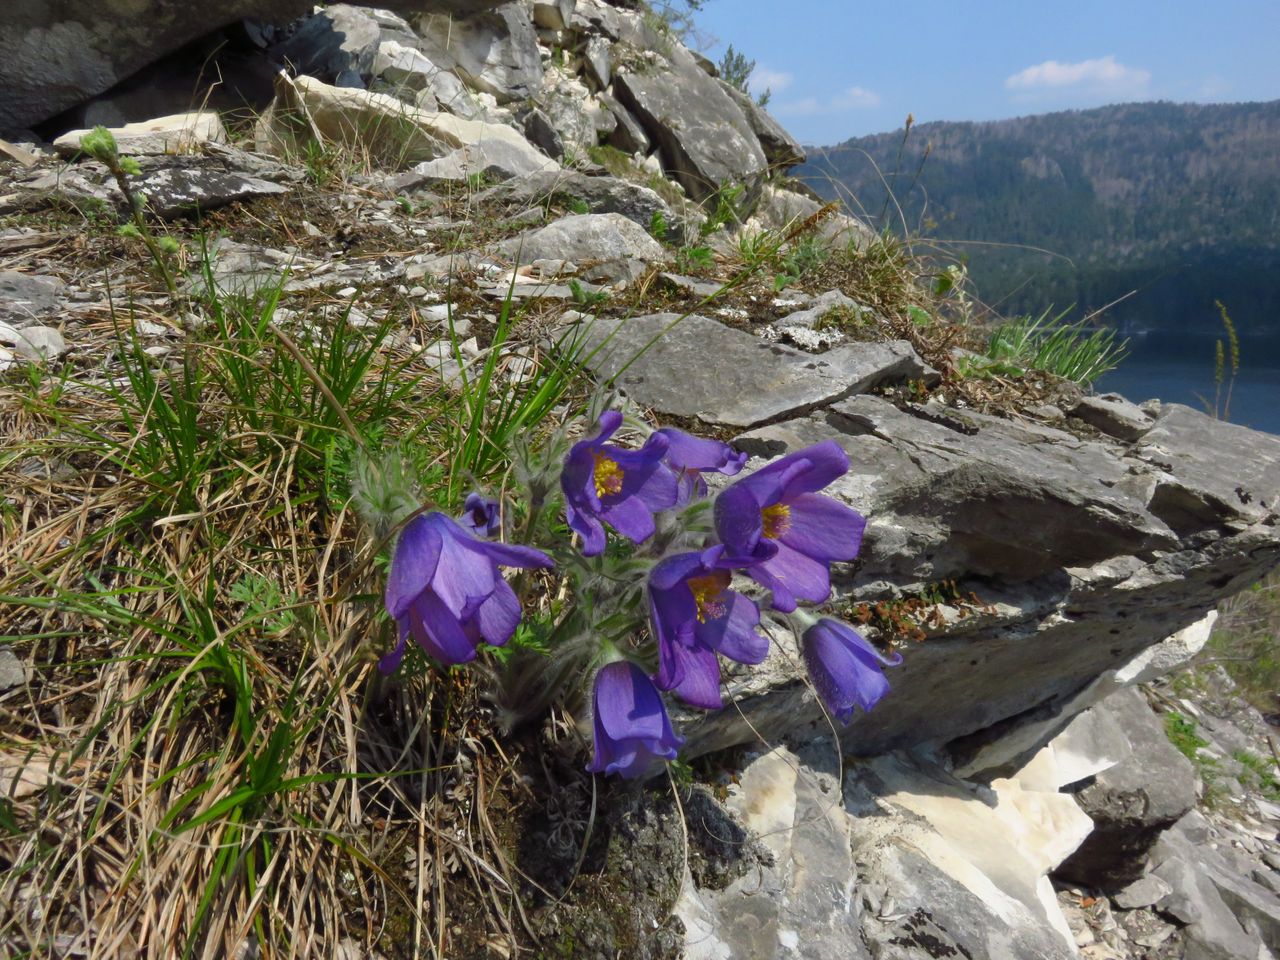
{"type": "Point", "coordinates": [135, 210]}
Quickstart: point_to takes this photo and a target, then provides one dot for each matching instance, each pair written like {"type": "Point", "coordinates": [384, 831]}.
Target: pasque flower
{"type": "Point", "coordinates": [691, 456]}
{"type": "Point", "coordinates": [623, 488]}
{"type": "Point", "coordinates": [695, 616]}
{"type": "Point", "coordinates": [845, 669]}
{"type": "Point", "coordinates": [775, 524]}
{"type": "Point", "coordinates": [445, 590]}
{"type": "Point", "coordinates": [480, 516]}
{"type": "Point", "coordinates": [632, 729]}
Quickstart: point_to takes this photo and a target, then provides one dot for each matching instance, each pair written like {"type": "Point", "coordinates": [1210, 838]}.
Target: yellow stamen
{"type": "Point", "coordinates": [608, 476]}
{"type": "Point", "coordinates": [708, 594]}
{"type": "Point", "coordinates": [777, 520]}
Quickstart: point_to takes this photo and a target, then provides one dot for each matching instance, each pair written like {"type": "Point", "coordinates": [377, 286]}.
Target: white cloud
{"type": "Point", "coordinates": [762, 79]}
{"type": "Point", "coordinates": [1103, 76]}
{"type": "Point", "coordinates": [853, 98]}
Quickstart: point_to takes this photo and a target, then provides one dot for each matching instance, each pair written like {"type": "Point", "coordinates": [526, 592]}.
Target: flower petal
{"type": "Point", "coordinates": [699, 683]}
{"type": "Point", "coordinates": [687, 452]}
{"type": "Point", "coordinates": [438, 631]}
{"type": "Point", "coordinates": [631, 519]}
{"type": "Point", "coordinates": [823, 528]}
{"type": "Point", "coordinates": [827, 462]}
{"type": "Point", "coordinates": [499, 615]}
{"type": "Point", "coordinates": [734, 635]}
{"type": "Point", "coordinates": [738, 521]}
{"type": "Point", "coordinates": [792, 576]}
{"type": "Point", "coordinates": [512, 554]}
{"type": "Point", "coordinates": [413, 564]}
{"type": "Point", "coordinates": [465, 573]}
{"type": "Point", "coordinates": [843, 672]}
{"type": "Point", "coordinates": [588, 528]}
{"type": "Point", "coordinates": [390, 662]}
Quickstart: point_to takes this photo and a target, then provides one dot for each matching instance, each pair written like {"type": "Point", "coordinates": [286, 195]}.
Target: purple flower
{"type": "Point", "coordinates": [695, 616]}
{"type": "Point", "coordinates": [481, 517]}
{"type": "Point", "coordinates": [444, 590]}
{"type": "Point", "coordinates": [624, 488]}
{"type": "Point", "coordinates": [785, 534]}
{"type": "Point", "coordinates": [690, 456]}
{"type": "Point", "coordinates": [845, 668]}
{"type": "Point", "coordinates": [632, 729]}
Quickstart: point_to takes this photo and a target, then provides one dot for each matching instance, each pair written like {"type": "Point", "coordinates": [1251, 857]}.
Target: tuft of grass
{"type": "Point", "coordinates": [1068, 350]}
{"type": "Point", "coordinates": [227, 771]}
{"type": "Point", "coordinates": [1181, 732]}
{"type": "Point", "coordinates": [1244, 641]}
{"type": "Point", "coordinates": [1263, 771]}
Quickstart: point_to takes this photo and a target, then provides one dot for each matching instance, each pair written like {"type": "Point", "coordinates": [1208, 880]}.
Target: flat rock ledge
{"type": "Point", "coordinates": [1085, 555]}
{"type": "Point", "coordinates": [695, 367]}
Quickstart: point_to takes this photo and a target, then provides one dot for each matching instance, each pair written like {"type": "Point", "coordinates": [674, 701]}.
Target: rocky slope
{"type": "Point", "coordinates": [1033, 561]}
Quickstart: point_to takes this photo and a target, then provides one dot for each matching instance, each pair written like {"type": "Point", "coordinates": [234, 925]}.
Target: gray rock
{"type": "Point", "coordinates": [705, 139]}
{"type": "Point", "coordinates": [492, 160]}
{"type": "Point", "coordinates": [183, 185]}
{"type": "Point", "coordinates": [1143, 892]}
{"type": "Point", "coordinates": [1114, 416]}
{"type": "Point", "coordinates": [601, 194]}
{"type": "Point", "coordinates": [13, 672]}
{"type": "Point", "coordinates": [1226, 916]}
{"type": "Point", "coordinates": [245, 268]}
{"type": "Point", "coordinates": [1054, 534]}
{"type": "Point", "coordinates": [553, 14]}
{"type": "Point", "coordinates": [55, 55]}
{"type": "Point", "coordinates": [781, 209]}
{"type": "Point", "coordinates": [587, 236]}
{"type": "Point", "coordinates": [24, 298]}
{"type": "Point", "coordinates": [754, 383]}
{"type": "Point", "coordinates": [597, 59]}
{"type": "Point", "coordinates": [818, 308]}
{"type": "Point", "coordinates": [339, 44]}
{"type": "Point", "coordinates": [34, 342]}
{"type": "Point", "coordinates": [543, 134]}
{"type": "Point", "coordinates": [1133, 802]}
{"type": "Point", "coordinates": [408, 68]}
{"type": "Point", "coordinates": [628, 136]}
{"type": "Point", "coordinates": [179, 133]}
{"type": "Point", "coordinates": [800, 904]}
{"type": "Point", "coordinates": [495, 51]}
{"type": "Point", "coordinates": [780, 148]}
{"type": "Point", "coordinates": [947, 871]}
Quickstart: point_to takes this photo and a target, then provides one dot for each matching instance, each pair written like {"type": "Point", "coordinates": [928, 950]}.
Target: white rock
{"type": "Point", "coordinates": [178, 133]}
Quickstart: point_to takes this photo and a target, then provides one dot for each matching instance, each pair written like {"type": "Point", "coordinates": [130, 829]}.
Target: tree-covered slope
{"type": "Point", "coordinates": [1180, 202]}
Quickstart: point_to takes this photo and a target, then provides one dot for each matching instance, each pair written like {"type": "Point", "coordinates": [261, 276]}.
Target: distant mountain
{"type": "Point", "coordinates": [1180, 202]}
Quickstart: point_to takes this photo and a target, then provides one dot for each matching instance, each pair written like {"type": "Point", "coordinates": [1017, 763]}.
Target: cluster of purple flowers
{"type": "Point", "coordinates": [446, 591]}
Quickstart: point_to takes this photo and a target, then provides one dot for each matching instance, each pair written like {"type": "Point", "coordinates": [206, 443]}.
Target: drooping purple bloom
{"type": "Point", "coordinates": [775, 525]}
{"type": "Point", "coordinates": [691, 456]}
{"type": "Point", "coordinates": [845, 669]}
{"type": "Point", "coordinates": [444, 589]}
{"type": "Point", "coordinates": [481, 517]}
{"type": "Point", "coordinates": [632, 729]}
{"type": "Point", "coordinates": [624, 488]}
{"type": "Point", "coordinates": [695, 616]}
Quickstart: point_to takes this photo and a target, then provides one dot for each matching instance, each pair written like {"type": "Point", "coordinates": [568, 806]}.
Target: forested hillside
{"type": "Point", "coordinates": [1180, 202]}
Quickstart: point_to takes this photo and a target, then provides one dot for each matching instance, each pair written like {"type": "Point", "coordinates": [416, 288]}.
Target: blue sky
{"type": "Point", "coordinates": [844, 69]}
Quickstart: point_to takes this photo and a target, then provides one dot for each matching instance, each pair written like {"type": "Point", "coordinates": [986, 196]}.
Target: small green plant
{"type": "Point", "coordinates": [1223, 411]}
{"type": "Point", "coordinates": [736, 69]}
{"type": "Point", "coordinates": [1181, 732]}
{"type": "Point", "coordinates": [1070, 351]}
{"type": "Point", "coordinates": [694, 259]}
{"type": "Point", "coordinates": [579, 206]}
{"type": "Point", "coordinates": [658, 226]}
{"type": "Point", "coordinates": [100, 144]}
{"type": "Point", "coordinates": [583, 297]}
{"type": "Point", "coordinates": [724, 208]}
{"type": "Point", "coordinates": [1263, 771]}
